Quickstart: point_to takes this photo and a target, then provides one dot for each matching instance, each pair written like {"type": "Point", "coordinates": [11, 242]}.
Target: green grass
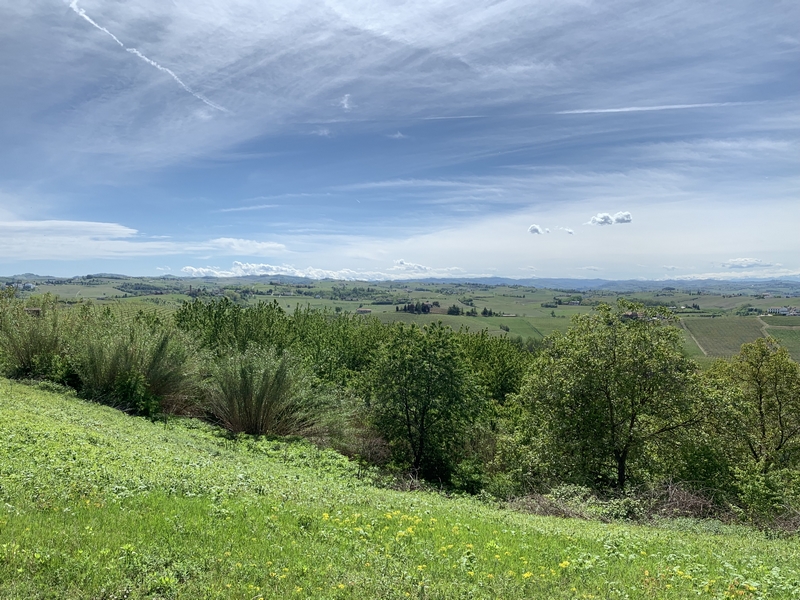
{"type": "Point", "coordinates": [724, 336]}
{"type": "Point", "coordinates": [97, 504]}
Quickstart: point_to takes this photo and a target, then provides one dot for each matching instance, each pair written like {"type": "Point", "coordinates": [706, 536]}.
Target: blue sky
{"type": "Point", "coordinates": [382, 139]}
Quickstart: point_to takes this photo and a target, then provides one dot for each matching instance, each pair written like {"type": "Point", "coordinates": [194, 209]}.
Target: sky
{"type": "Point", "coordinates": [378, 139]}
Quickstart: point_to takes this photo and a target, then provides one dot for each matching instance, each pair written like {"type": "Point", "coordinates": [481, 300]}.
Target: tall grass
{"type": "Point", "coordinates": [143, 366]}
{"type": "Point", "coordinates": [261, 392]}
{"type": "Point", "coordinates": [33, 339]}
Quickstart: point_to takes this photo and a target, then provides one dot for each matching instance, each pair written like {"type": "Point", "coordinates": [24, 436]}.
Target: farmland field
{"type": "Point", "coordinates": [724, 336]}
{"type": "Point", "coordinates": [100, 504]}
{"type": "Point", "coordinates": [522, 306]}
{"type": "Point", "coordinates": [772, 321]}
{"type": "Point", "coordinates": [789, 338]}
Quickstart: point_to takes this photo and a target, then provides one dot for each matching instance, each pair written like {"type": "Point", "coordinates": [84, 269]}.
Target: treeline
{"type": "Point", "coordinates": [609, 408]}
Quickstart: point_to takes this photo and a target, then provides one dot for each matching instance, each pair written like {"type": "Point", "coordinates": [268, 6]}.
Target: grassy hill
{"type": "Point", "coordinates": [97, 504]}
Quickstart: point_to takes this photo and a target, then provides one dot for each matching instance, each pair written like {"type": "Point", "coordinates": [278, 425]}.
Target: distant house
{"type": "Point", "coordinates": [778, 310]}
{"type": "Point", "coordinates": [363, 311]}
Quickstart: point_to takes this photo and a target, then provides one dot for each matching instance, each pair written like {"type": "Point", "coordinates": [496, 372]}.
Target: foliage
{"type": "Point", "coordinates": [221, 324]}
{"type": "Point", "coordinates": [600, 393]}
{"type": "Point", "coordinates": [136, 366]}
{"type": "Point", "coordinates": [757, 421]}
{"type": "Point", "coordinates": [33, 339]}
{"type": "Point", "coordinates": [422, 397]}
{"type": "Point", "coordinates": [261, 393]}
{"type": "Point", "coordinates": [759, 411]}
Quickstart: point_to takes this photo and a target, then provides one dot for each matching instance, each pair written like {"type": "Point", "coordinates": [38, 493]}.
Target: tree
{"type": "Point", "coordinates": [602, 392]}
{"type": "Point", "coordinates": [422, 397]}
{"type": "Point", "coordinates": [759, 416]}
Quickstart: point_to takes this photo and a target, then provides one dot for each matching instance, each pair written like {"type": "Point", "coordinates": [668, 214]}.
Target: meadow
{"type": "Point", "coordinates": [99, 504]}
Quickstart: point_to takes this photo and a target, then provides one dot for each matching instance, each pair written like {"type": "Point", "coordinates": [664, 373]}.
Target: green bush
{"type": "Point", "coordinates": [261, 392]}
{"type": "Point", "coordinates": [33, 340]}
{"type": "Point", "coordinates": [140, 367]}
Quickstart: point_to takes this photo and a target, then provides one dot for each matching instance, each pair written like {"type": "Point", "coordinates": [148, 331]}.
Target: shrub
{"type": "Point", "coordinates": [136, 367]}
{"type": "Point", "coordinates": [261, 392]}
{"type": "Point", "coordinates": [32, 344]}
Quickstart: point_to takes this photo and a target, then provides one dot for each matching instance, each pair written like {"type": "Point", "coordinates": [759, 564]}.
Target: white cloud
{"type": "Point", "coordinates": [670, 267]}
{"type": "Point", "coordinates": [401, 270]}
{"type": "Point", "coordinates": [397, 136]}
{"type": "Point", "coordinates": [590, 268]}
{"type": "Point", "coordinates": [535, 229]}
{"type": "Point", "coordinates": [346, 103]}
{"type": "Point", "coordinates": [402, 265]}
{"type": "Point", "coordinates": [747, 263]}
{"type": "Point", "coordinates": [568, 230]}
{"type": "Point", "coordinates": [622, 217]}
{"type": "Point", "coordinates": [742, 274]}
{"type": "Point", "coordinates": [80, 240]}
{"type": "Point", "coordinates": [547, 230]}
{"type": "Point", "coordinates": [322, 132]}
{"type": "Point", "coordinates": [165, 269]}
{"type": "Point", "coordinates": [601, 219]}
{"type": "Point", "coordinates": [607, 219]}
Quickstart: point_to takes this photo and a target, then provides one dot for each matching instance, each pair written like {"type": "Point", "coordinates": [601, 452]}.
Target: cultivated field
{"type": "Point", "coordinates": [789, 338]}
{"type": "Point", "coordinates": [521, 306]}
{"type": "Point", "coordinates": [723, 336]}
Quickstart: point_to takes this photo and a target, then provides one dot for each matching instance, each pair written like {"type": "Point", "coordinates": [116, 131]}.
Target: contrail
{"type": "Point", "coordinates": [645, 108]}
{"type": "Point", "coordinates": [82, 13]}
{"type": "Point", "coordinates": [177, 79]}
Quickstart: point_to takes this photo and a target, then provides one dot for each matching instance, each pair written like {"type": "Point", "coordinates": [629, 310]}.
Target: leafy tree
{"type": "Point", "coordinates": [609, 387]}
{"type": "Point", "coordinates": [759, 413]}
{"type": "Point", "coordinates": [422, 397]}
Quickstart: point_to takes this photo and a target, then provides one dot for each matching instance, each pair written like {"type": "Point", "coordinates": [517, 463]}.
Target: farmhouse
{"type": "Point", "coordinates": [363, 311]}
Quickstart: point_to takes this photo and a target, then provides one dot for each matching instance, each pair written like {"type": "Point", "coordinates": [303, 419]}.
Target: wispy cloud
{"type": "Point", "coordinates": [453, 117]}
{"type": "Point", "coordinates": [82, 13]}
{"type": "Point", "coordinates": [397, 136]}
{"type": "Point", "coordinates": [248, 208]}
{"type": "Point", "coordinates": [592, 111]}
{"type": "Point", "coordinates": [81, 240]}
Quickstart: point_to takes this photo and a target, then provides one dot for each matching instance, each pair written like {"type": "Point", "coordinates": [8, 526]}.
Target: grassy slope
{"type": "Point", "coordinates": [101, 505]}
